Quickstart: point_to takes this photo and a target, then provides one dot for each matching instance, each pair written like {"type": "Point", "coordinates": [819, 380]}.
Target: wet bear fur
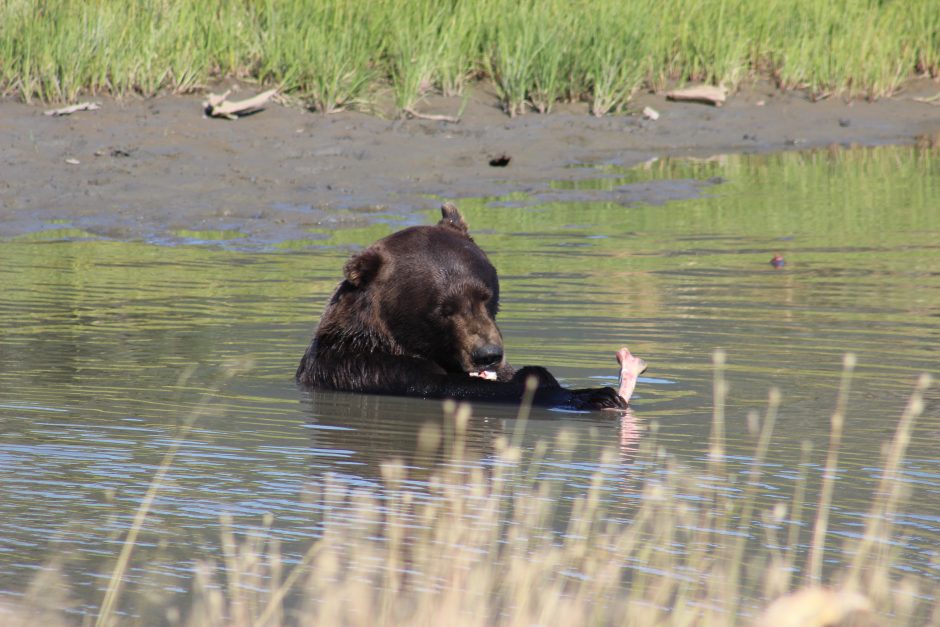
{"type": "Point", "coordinates": [415, 315]}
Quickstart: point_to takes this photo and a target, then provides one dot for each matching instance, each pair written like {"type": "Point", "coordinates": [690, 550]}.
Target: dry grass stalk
{"type": "Point", "coordinates": [815, 560]}
{"type": "Point", "coordinates": [462, 550]}
{"type": "Point", "coordinates": [469, 554]}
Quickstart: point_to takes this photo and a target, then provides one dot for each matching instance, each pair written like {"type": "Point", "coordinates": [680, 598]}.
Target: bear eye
{"type": "Point", "coordinates": [447, 310]}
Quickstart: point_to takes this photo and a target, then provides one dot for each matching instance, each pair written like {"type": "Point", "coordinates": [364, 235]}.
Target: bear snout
{"type": "Point", "coordinates": [486, 356]}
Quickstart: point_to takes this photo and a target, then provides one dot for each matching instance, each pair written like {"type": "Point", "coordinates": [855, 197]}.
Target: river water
{"type": "Point", "coordinates": [106, 347]}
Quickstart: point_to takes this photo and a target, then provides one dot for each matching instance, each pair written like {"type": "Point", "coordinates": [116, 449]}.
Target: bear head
{"type": "Point", "coordinates": [429, 292]}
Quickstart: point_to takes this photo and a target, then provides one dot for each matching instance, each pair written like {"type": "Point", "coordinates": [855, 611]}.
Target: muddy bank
{"type": "Point", "coordinates": [153, 168]}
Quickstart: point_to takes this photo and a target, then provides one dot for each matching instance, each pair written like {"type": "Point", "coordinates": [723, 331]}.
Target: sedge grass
{"type": "Point", "coordinates": [323, 51]}
{"type": "Point", "coordinates": [473, 554]}
{"type": "Point", "coordinates": [339, 53]}
{"type": "Point", "coordinates": [479, 543]}
{"type": "Point", "coordinates": [616, 55]}
{"type": "Point", "coordinates": [413, 47]}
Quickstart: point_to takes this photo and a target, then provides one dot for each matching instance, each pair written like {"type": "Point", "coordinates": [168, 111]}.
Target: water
{"type": "Point", "coordinates": [107, 347]}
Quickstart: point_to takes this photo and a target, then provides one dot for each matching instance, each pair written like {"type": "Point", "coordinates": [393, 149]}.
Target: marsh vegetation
{"type": "Point", "coordinates": [337, 54]}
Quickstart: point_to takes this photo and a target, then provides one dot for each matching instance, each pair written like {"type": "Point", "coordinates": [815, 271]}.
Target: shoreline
{"type": "Point", "coordinates": [149, 168]}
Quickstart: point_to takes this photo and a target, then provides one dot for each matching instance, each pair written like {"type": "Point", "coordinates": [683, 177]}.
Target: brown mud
{"type": "Point", "coordinates": [147, 169]}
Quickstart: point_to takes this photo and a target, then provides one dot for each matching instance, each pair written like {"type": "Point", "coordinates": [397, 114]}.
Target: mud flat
{"type": "Point", "coordinates": [146, 169]}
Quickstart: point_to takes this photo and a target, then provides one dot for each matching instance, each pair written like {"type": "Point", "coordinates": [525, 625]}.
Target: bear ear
{"type": "Point", "coordinates": [363, 267]}
{"type": "Point", "coordinates": [451, 218]}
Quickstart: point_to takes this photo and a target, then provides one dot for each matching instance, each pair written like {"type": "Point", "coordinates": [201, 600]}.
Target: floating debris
{"type": "Point", "coordinates": [217, 107]}
{"type": "Point", "coordinates": [75, 108]}
{"type": "Point", "coordinates": [934, 100]}
{"type": "Point", "coordinates": [709, 94]}
{"type": "Point", "coordinates": [650, 113]}
{"type": "Point", "coordinates": [430, 116]}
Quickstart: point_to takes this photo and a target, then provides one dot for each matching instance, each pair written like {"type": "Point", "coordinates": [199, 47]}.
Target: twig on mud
{"type": "Point", "coordinates": [708, 94]}
{"type": "Point", "coordinates": [933, 100]}
{"type": "Point", "coordinates": [429, 116]}
{"type": "Point", "coordinates": [82, 106]}
{"type": "Point", "coordinates": [216, 106]}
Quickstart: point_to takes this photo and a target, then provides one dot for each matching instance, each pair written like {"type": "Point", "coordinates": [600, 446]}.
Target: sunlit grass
{"type": "Point", "coordinates": [612, 73]}
{"type": "Point", "coordinates": [321, 50]}
{"type": "Point", "coordinates": [697, 552]}
{"type": "Point", "coordinates": [335, 54]}
{"type": "Point", "coordinates": [484, 542]}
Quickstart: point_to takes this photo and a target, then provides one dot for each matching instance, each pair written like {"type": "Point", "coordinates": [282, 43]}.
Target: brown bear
{"type": "Point", "coordinates": [416, 316]}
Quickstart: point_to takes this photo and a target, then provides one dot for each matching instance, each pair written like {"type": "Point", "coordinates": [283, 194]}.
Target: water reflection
{"type": "Point", "coordinates": [353, 435]}
{"type": "Point", "coordinates": [106, 347]}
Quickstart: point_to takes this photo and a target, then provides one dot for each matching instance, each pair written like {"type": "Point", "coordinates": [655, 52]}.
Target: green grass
{"type": "Point", "coordinates": [334, 54]}
{"type": "Point", "coordinates": [323, 51]}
